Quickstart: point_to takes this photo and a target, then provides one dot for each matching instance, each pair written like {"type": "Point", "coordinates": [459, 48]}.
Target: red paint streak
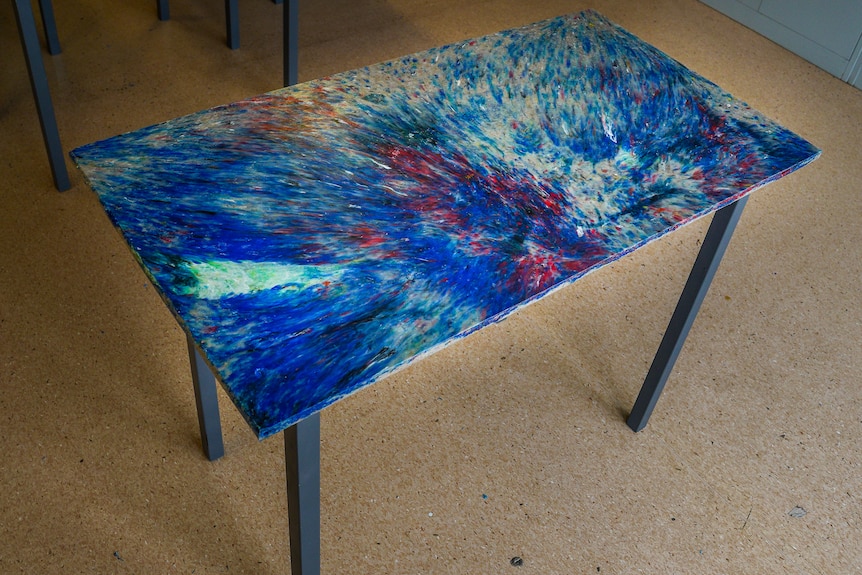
{"type": "Point", "coordinates": [660, 211]}
{"type": "Point", "coordinates": [717, 125]}
{"type": "Point", "coordinates": [367, 236]}
{"type": "Point", "coordinates": [536, 271]}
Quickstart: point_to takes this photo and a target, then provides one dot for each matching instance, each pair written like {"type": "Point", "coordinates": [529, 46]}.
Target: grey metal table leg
{"type": "Point", "coordinates": [302, 461]}
{"type": "Point", "coordinates": [206, 398]}
{"type": "Point", "coordinates": [714, 245]}
{"type": "Point", "coordinates": [39, 83]}
{"type": "Point", "coordinates": [50, 26]}
{"type": "Point", "coordinates": [231, 13]}
{"type": "Point", "coordinates": [291, 42]}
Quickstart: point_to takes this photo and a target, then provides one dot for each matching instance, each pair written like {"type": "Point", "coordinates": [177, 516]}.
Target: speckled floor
{"type": "Point", "coordinates": [509, 444]}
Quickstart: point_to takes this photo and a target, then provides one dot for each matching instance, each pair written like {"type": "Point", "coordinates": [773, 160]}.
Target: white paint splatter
{"type": "Point", "coordinates": [608, 128]}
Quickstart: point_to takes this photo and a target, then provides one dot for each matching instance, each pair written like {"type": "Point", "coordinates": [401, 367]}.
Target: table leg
{"type": "Point", "coordinates": [50, 26]}
{"type": "Point", "coordinates": [714, 245]}
{"type": "Point", "coordinates": [39, 83]}
{"type": "Point", "coordinates": [206, 398]}
{"type": "Point", "coordinates": [164, 9]}
{"type": "Point", "coordinates": [231, 12]}
{"type": "Point", "coordinates": [302, 461]}
{"type": "Point", "coordinates": [291, 42]}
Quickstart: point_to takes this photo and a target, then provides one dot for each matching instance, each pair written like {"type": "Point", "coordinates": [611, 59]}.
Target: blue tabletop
{"type": "Point", "coordinates": [316, 238]}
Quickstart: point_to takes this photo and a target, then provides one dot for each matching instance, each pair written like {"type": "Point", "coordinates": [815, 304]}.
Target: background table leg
{"type": "Point", "coordinates": [164, 9]}
{"type": "Point", "coordinates": [39, 83]}
{"type": "Point", "coordinates": [714, 245]}
{"type": "Point", "coordinates": [291, 42]}
{"type": "Point", "coordinates": [231, 12]}
{"type": "Point", "coordinates": [206, 398]}
{"type": "Point", "coordinates": [49, 25]}
{"type": "Point", "coordinates": [302, 460]}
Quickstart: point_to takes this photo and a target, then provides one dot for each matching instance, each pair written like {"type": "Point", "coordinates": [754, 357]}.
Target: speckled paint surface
{"type": "Point", "coordinates": [316, 238]}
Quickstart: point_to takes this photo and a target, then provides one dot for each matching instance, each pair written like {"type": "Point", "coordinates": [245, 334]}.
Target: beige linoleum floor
{"type": "Point", "coordinates": [511, 443]}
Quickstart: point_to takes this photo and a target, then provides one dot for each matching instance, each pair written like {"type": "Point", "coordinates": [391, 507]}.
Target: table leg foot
{"type": "Point", "coordinates": [231, 12]}
{"type": "Point", "coordinates": [714, 245]}
{"type": "Point", "coordinates": [206, 398]}
{"type": "Point", "coordinates": [49, 25]}
{"type": "Point", "coordinates": [302, 462]}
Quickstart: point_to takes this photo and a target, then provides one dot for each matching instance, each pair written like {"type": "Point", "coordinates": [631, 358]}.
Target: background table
{"type": "Point", "coordinates": [39, 82]}
{"type": "Point", "coordinates": [317, 238]}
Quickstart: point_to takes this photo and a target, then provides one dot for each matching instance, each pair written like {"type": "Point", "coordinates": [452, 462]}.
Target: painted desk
{"type": "Point", "coordinates": [317, 238]}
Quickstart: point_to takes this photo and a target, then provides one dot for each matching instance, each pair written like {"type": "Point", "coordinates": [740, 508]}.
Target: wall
{"type": "Point", "coordinates": [828, 33]}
